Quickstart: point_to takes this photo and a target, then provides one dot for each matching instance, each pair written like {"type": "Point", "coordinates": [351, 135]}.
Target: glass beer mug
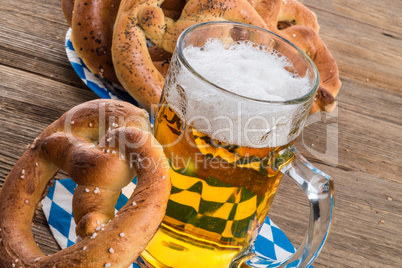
{"type": "Point", "coordinates": [235, 99]}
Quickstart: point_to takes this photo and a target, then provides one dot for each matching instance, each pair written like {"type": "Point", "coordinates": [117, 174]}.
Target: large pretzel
{"type": "Point", "coordinates": [101, 164]}
{"type": "Point", "coordinates": [297, 23]}
{"type": "Point", "coordinates": [138, 20]}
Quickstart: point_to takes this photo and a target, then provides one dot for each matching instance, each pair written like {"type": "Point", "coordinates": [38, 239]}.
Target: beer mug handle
{"type": "Point", "coordinates": [319, 189]}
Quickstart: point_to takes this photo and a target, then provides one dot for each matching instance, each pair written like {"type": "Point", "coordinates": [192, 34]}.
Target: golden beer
{"type": "Point", "coordinates": [235, 99]}
{"type": "Point", "coordinates": [221, 194]}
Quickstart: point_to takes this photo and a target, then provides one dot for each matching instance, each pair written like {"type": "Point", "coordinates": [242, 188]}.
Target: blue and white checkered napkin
{"type": "Point", "coordinates": [57, 206]}
{"type": "Point", "coordinates": [102, 87]}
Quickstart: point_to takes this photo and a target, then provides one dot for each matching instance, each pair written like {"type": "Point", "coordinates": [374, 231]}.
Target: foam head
{"type": "Point", "coordinates": [260, 77]}
{"type": "Point", "coordinates": [247, 70]}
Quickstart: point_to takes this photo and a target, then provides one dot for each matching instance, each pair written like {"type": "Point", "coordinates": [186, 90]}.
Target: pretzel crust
{"type": "Point", "coordinates": [92, 30]}
{"type": "Point", "coordinates": [99, 165]}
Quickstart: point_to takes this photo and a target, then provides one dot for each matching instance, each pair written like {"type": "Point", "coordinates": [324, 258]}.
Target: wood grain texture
{"type": "Point", "coordinates": [359, 145]}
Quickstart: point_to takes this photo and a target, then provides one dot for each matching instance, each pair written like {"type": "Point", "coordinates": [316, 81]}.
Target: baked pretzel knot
{"type": "Point", "coordinates": [138, 20]}
{"type": "Point", "coordinates": [102, 144]}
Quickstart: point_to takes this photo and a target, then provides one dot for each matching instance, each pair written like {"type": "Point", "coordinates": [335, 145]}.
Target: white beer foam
{"type": "Point", "coordinates": [248, 71]}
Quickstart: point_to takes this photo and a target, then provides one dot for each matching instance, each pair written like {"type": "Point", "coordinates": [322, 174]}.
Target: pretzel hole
{"type": "Point", "coordinates": [324, 97]}
{"type": "Point", "coordinates": [285, 24]}
{"type": "Point", "coordinates": [159, 54]}
{"type": "Point", "coordinates": [173, 8]}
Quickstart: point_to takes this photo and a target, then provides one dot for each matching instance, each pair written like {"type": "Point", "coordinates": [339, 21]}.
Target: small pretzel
{"type": "Point", "coordinates": [138, 20]}
{"type": "Point", "coordinates": [295, 22]}
{"type": "Point", "coordinates": [101, 164]}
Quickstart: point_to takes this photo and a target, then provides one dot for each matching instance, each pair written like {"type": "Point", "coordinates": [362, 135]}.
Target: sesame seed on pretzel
{"type": "Point", "coordinates": [102, 145]}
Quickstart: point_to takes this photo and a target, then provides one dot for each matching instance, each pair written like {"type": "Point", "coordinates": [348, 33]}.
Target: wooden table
{"type": "Point", "coordinates": [359, 144]}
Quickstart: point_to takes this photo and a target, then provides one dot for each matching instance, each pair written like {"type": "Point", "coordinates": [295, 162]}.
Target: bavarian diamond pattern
{"type": "Point", "coordinates": [271, 242]}
{"type": "Point", "coordinates": [100, 86]}
{"type": "Point", "coordinates": [192, 198]}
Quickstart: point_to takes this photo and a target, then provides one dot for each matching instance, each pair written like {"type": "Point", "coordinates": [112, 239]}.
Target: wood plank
{"type": "Point", "coordinates": [33, 39]}
{"type": "Point", "coordinates": [34, 54]}
{"type": "Point", "coordinates": [358, 237]}
{"type": "Point", "coordinates": [28, 104]}
{"type": "Point", "coordinates": [368, 138]}
{"type": "Point", "coordinates": [364, 51]}
{"type": "Point", "coordinates": [385, 14]}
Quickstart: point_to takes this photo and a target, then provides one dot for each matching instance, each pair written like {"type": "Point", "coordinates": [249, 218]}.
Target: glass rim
{"type": "Point", "coordinates": [301, 99]}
